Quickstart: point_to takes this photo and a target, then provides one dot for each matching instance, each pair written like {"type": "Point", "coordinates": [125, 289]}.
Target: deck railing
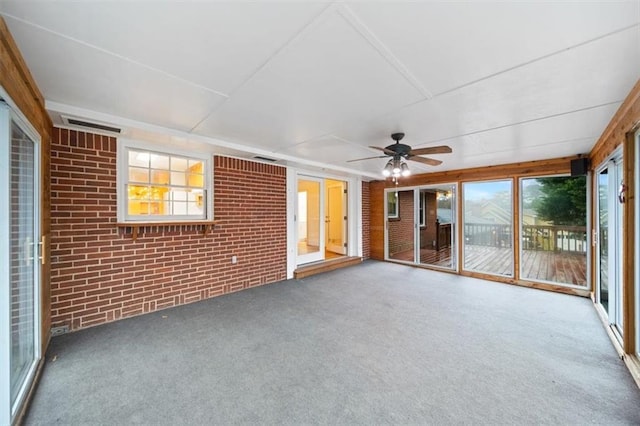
{"type": "Point", "coordinates": [487, 234]}
{"type": "Point", "coordinates": [569, 239]}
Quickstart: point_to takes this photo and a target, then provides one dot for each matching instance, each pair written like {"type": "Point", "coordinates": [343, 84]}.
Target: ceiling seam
{"type": "Point", "coordinates": [476, 132]}
{"type": "Point", "coordinates": [540, 58]}
{"type": "Point", "coordinates": [356, 23]}
{"type": "Point", "coordinates": [314, 21]}
{"type": "Point", "coordinates": [116, 55]}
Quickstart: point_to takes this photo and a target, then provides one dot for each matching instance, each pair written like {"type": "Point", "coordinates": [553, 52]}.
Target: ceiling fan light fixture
{"type": "Point", "coordinates": [405, 170]}
{"type": "Point", "coordinates": [396, 166]}
{"type": "Point", "coordinates": [388, 169]}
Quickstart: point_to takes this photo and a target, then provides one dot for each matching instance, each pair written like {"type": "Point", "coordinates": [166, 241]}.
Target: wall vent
{"type": "Point", "coordinates": [101, 127]}
{"type": "Point", "coordinates": [57, 331]}
{"type": "Point", "coordinates": [260, 157]}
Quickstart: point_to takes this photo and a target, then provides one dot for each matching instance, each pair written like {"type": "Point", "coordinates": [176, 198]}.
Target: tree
{"type": "Point", "coordinates": [563, 200]}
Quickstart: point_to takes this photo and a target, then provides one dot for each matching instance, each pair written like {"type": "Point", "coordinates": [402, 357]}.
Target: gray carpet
{"type": "Point", "coordinates": [377, 343]}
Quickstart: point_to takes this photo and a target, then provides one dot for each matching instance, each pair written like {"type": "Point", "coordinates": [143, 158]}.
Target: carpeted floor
{"type": "Point", "coordinates": [377, 343]}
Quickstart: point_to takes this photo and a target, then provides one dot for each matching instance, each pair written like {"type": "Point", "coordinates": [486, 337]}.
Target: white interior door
{"type": "Point", "coordinates": [19, 264]}
{"type": "Point", "coordinates": [310, 224]}
{"type": "Point", "coordinates": [336, 216]}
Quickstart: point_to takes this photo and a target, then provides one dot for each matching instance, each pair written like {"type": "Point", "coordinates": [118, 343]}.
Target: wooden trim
{"type": "Point", "coordinates": [633, 364]}
{"type": "Point", "coordinates": [20, 86]}
{"type": "Point", "coordinates": [628, 246]}
{"type": "Point", "coordinates": [555, 166]}
{"type": "Point", "coordinates": [515, 194]}
{"type": "Point", "coordinates": [459, 224]}
{"type": "Point", "coordinates": [624, 121]}
{"type": "Point", "coordinates": [206, 225]}
{"type": "Point", "coordinates": [530, 284]}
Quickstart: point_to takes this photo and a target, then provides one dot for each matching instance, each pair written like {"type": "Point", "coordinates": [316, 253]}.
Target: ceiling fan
{"type": "Point", "coordinates": [399, 152]}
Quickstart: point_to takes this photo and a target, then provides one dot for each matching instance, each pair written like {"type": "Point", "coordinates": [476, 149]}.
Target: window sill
{"type": "Point", "coordinates": [205, 225]}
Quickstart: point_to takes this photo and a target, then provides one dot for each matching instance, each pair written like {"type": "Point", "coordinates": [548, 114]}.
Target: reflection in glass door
{"type": "Point", "coordinates": [19, 263]}
{"type": "Point", "coordinates": [436, 216]}
{"type": "Point", "coordinates": [310, 224]}
{"type": "Point", "coordinates": [609, 242]}
{"type": "Point", "coordinates": [488, 227]}
{"type": "Point", "coordinates": [401, 222]}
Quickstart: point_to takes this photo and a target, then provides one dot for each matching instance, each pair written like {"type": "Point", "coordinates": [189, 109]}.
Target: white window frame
{"type": "Point", "coordinates": [422, 209]}
{"type": "Point", "coordinates": [122, 179]}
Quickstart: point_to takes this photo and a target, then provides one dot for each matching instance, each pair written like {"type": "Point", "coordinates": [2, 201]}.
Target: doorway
{"type": "Point", "coordinates": [421, 226]}
{"type": "Point", "coordinates": [321, 219]}
{"type": "Point", "coordinates": [609, 242]}
{"type": "Point", "coordinates": [19, 261]}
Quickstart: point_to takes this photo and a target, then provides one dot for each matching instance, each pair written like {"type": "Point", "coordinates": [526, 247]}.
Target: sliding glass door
{"type": "Point", "coordinates": [553, 230]}
{"type": "Point", "coordinates": [488, 227]}
{"type": "Point", "coordinates": [19, 262]}
{"type": "Point", "coordinates": [609, 241]}
{"type": "Point", "coordinates": [420, 225]}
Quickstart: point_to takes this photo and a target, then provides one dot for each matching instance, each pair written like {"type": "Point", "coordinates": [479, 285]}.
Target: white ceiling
{"type": "Point", "coordinates": [316, 83]}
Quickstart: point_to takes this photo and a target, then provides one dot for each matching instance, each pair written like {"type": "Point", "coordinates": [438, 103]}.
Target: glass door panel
{"type": "Point", "coordinates": [609, 242]}
{"type": "Point", "coordinates": [488, 227]}
{"type": "Point", "coordinates": [336, 217]}
{"type": "Point", "coordinates": [23, 258]}
{"type": "Point", "coordinates": [401, 225]}
{"type": "Point", "coordinates": [436, 216]}
{"type": "Point", "coordinates": [310, 223]}
{"type": "Point", "coordinates": [553, 231]}
{"type": "Point", "coordinates": [603, 240]}
{"type": "Point", "coordinates": [19, 261]}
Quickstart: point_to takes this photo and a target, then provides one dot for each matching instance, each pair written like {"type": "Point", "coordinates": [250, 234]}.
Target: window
{"type": "Point", "coordinates": [423, 209]}
{"type": "Point", "coordinates": [159, 186]}
{"type": "Point", "coordinates": [553, 229]}
{"type": "Point", "coordinates": [488, 223]}
{"type": "Point", "coordinates": [392, 204]}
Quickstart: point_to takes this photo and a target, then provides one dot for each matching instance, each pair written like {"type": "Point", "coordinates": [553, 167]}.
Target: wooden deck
{"type": "Point", "coordinates": [537, 265]}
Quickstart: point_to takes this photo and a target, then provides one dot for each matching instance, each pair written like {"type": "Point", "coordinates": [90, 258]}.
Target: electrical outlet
{"type": "Point", "coordinates": [234, 259]}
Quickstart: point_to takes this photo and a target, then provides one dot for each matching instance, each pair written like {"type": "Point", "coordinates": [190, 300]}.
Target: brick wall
{"type": "Point", "coordinates": [99, 274]}
{"type": "Point", "coordinates": [366, 214]}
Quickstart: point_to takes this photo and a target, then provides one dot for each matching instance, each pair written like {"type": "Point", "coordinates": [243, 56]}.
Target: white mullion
{"type": "Point", "coordinates": [5, 277]}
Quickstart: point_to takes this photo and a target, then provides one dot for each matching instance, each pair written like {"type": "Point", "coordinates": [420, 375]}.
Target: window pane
{"type": "Point", "coordinates": [159, 161]}
{"type": "Point", "coordinates": [138, 175]}
{"type": "Point", "coordinates": [436, 238]}
{"type": "Point", "coordinates": [178, 178]}
{"type": "Point", "coordinates": [488, 227]}
{"type": "Point", "coordinates": [392, 204]}
{"type": "Point", "coordinates": [22, 259]}
{"type": "Point", "coordinates": [179, 164]}
{"type": "Point", "coordinates": [554, 233]}
{"type": "Point", "coordinates": [160, 177]}
{"type": "Point", "coordinates": [400, 232]}
{"type": "Point", "coordinates": [138, 158]}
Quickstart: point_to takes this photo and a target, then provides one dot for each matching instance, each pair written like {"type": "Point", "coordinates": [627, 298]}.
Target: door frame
{"type": "Point", "coordinates": [354, 213]}
{"type": "Point", "coordinates": [10, 113]}
{"type": "Point", "coordinates": [416, 225]}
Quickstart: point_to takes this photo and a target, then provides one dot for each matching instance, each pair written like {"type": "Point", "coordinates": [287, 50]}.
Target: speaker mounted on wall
{"type": "Point", "coordinates": [579, 166]}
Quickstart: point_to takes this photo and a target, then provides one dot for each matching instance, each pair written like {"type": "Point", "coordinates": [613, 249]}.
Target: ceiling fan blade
{"type": "Point", "coordinates": [385, 150]}
{"type": "Point", "coordinates": [367, 158]}
{"type": "Point", "coordinates": [424, 160]}
{"type": "Point", "coordinates": [443, 149]}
